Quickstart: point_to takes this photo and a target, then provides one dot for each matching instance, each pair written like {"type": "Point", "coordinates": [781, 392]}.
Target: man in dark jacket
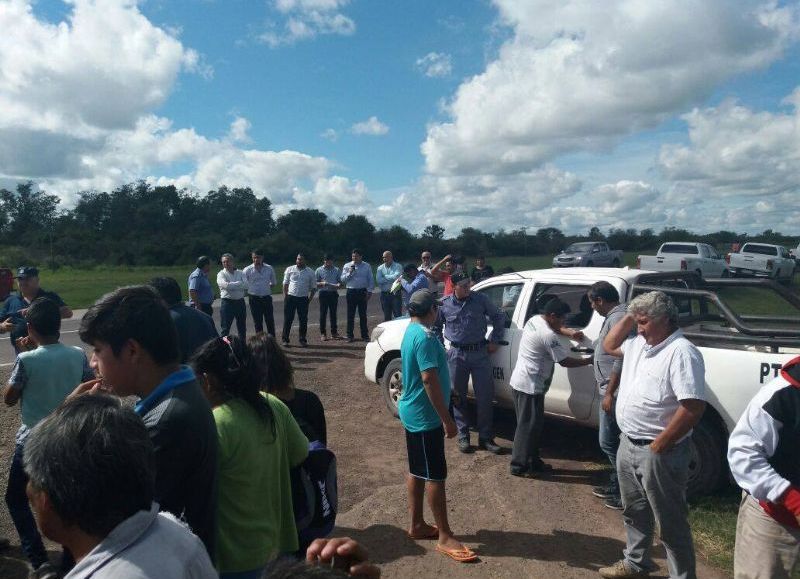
{"type": "Point", "coordinates": [194, 327]}
{"type": "Point", "coordinates": [135, 353]}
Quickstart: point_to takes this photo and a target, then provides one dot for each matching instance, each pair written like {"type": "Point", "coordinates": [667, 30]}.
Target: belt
{"type": "Point", "coordinates": [357, 289]}
{"type": "Point", "coordinates": [259, 297]}
{"type": "Point", "coordinates": [232, 299]}
{"type": "Point", "coordinates": [469, 347]}
{"type": "Point", "coordinates": [639, 441]}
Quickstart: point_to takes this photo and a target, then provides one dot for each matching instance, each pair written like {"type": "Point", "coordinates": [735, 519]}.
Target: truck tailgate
{"type": "Point", "coordinates": [660, 262]}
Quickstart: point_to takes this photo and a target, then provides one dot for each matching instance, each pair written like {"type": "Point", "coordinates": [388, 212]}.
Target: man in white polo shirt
{"type": "Point", "coordinates": [660, 399]}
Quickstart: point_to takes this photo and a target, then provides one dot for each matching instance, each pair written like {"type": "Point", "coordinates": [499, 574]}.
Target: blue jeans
{"type": "Point", "coordinates": [20, 510]}
{"type": "Point", "coordinates": [608, 436]}
{"type": "Point", "coordinates": [391, 305]}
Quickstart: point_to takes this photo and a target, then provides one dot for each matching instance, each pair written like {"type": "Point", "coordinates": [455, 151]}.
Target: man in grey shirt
{"type": "Point", "coordinates": [604, 299]}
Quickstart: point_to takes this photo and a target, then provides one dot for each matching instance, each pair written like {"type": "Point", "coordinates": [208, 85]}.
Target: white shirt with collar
{"type": "Point", "coordinates": [232, 285]}
{"type": "Point", "coordinates": [301, 282]}
{"type": "Point", "coordinates": [653, 382]}
{"type": "Point", "coordinates": [539, 350]}
{"type": "Point", "coordinates": [259, 281]}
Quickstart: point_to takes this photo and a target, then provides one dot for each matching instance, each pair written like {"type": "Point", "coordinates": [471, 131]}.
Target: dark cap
{"type": "Point", "coordinates": [410, 267]}
{"type": "Point", "coordinates": [459, 278]}
{"type": "Point", "coordinates": [420, 302]}
{"type": "Point", "coordinates": [26, 272]}
{"type": "Point", "coordinates": [555, 306]}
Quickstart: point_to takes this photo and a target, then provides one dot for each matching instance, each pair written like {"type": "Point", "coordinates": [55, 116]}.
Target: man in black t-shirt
{"type": "Point", "coordinates": [481, 271]}
{"type": "Point", "coordinates": [194, 327]}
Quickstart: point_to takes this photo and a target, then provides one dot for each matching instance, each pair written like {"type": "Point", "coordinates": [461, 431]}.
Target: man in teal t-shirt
{"type": "Point", "coordinates": [423, 410]}
{"type": "Point", "coordinates": [42, 378]}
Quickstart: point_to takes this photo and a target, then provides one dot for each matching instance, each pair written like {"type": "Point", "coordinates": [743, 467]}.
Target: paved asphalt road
{"type": "Point", "coordinates": [69, 328]}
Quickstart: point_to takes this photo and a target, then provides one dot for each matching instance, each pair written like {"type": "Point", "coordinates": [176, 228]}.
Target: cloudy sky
{"type": "Point", "coordinates": [484, 113]}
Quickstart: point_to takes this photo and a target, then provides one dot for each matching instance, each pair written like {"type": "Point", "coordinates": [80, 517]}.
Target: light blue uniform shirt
{"type": "Point", "coordinates": [465, 322]}
{"type": "Point", "coordinates": [198, 281]}
{"type": "Point", "coordinates": [421, 350]}
{"type": "Point", "coordinates": [358, 276]}
{"type": "Point", "coordinates": [387, 275]}
{"type": "Point", "coordinates": [418, 283]}
{"type": "Point", "coordinates": [330, 275]}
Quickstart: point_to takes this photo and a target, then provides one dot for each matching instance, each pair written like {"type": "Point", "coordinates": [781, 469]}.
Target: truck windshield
{"type": "Point", "coordinates": [679, 248]}
{"type": "Point", "coordinates": [760, 249]}
{"type": "Point", "coordinates": [579, 248]}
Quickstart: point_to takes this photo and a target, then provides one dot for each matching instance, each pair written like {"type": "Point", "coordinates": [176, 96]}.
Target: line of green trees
{"type": "Point", "coordinates": [143, 224]}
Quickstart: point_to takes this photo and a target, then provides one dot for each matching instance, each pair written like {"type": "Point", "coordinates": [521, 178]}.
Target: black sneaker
{"type": "Point", "coordinates": [614, 503]}
{"type": "Point", "coordinates": [490, 446]}
{"type": "Point", "coordinates": [350, 339]}
{"type": "Point", "coordinates": [303, 344]}
{"type": "Point", "coordinates": [285, 341]}
{"type": "Point", "coordinates": [604, 492]}
{"type": "Point", "coordinates": [464, 445]}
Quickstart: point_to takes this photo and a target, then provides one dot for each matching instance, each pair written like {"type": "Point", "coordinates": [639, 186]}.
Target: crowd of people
{"type": "Point", "coordinates": [196, 478]}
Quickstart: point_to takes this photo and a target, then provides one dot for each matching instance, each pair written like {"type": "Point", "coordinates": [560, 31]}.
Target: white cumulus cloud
{"type": "Point", "coordinates": [580, 75]}
{"type": "Point", "coordinates": [306, 19]}
{"type": "Point", "coordinates": [435, 64]}
{"type": "Point", "coordinates": [372, 126]}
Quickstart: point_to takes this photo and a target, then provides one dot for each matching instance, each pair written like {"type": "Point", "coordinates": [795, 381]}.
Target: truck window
{"type": "Point", "coordinates": [760, 249]}
{"type": "Point", "coordinates": [573, 295]}
{"type": "Point", "coordinates": [505, 297]}
{"type": "Point", "coordinates": [685, 248]}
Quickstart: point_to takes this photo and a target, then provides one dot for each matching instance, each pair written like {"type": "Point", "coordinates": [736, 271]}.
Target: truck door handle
{"type": "Point", "coordinates": [503, 343]}
{"type": "Point", "coordinates": [580, 350]}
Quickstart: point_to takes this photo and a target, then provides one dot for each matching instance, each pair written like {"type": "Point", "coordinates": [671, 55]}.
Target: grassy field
{"type": "Point", "coordinates": [81, 287]}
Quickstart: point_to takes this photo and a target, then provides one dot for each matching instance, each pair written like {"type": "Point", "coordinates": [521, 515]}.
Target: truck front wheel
{"type": "Point", "coordinates": [615, 263]}
{"type": "Point", "coordinates": [707, 467]}
{"type": "Point", "coordinates": [392, 385]}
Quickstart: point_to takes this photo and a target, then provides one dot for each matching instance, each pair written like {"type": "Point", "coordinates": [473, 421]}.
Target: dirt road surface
{"type": "Point", "coordinates": [550, 528]}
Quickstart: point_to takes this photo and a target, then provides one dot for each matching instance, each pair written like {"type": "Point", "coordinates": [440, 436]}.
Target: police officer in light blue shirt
{"type": "Point", "coordinates": [388, 272]}
{"type": "Point", "coordinates": [357, 278]}
{"type": "Point", "coordinates": [201, 296]}
{"type": "Point", "coordinates": [463, 318]}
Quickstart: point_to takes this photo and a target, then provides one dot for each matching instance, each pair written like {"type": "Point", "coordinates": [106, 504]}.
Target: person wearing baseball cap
{"type": "Point", "coordinates": [413, 279]}
{"type": "Point", "coordinates": [463, 320]}
{"type": "Point", "coordinates": [12, 314]}
{"type": "Point", "coordinates": [423, 410]}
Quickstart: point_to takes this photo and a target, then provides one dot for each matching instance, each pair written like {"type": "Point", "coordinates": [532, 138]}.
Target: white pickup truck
{"type": "Point", "coordinates": [762, 260]}
{"type": "Point", "coordinates": [686, 256]}
{"type": "Point", "coordinates": [739, 357]}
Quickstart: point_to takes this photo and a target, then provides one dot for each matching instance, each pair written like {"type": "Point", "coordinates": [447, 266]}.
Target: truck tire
{"type": "Point", "coordinates": [707, 467]}
{"type": "Point", "coordinates": [725, 274]}
{"type": "Point", "coordinates": [392, 385]}
{"type": "Point", "coordinates": [590, 264]}
{"type": "Point", "coordinates": [615, 263]}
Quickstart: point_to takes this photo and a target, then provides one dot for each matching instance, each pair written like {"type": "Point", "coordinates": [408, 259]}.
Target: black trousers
{"type": "Point", "coordinates": [328, 302]}
{"type": "Point", "coordinates": [291, 305]}
{"type": "Point", "coordinates": [261, 311]}
{"type": "Point", "coordinates": [530, 419]}
{"type": "Point", "coordinates": [357, 299]}
{"type": "Point", "coordinates": [206, 308]}
{"type": "Point", "coordinates": [230, 310]}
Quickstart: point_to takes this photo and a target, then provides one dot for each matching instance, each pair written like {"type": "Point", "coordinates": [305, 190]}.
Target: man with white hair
{"type": "Point", "coordinates": [660, 399]}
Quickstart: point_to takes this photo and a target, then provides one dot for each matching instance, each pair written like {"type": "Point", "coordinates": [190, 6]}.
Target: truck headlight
{"type": "Point", "coordinates": [376, 333]}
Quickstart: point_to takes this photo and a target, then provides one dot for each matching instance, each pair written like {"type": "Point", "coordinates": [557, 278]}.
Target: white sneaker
{"type": "Point", "coordinates": [621, 570]}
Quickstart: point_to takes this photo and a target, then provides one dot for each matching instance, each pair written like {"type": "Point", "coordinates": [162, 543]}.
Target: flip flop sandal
{"type": "Point", "coordinates": [434, 534]}
{"type": "Point", "coordinates": [464, 555]}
